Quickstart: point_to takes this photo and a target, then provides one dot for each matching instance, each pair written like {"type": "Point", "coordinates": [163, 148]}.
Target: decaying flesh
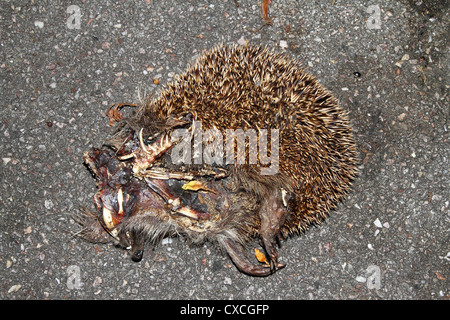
{"type": "Point", "coordinates": [142, 199]}
{"type": "Point", "coordinates": [137, 193]}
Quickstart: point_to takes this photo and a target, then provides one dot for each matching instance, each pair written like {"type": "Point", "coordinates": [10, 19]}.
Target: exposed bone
{"type": "Point", "coordinates": [107, 218]}
{"type": "Point", "coordinates": [167, 138]}
{"type": "Point", "coordinates": [188, 212]}
{"type": "Point", "coordinates": [164, 175]}
{"type": "Point", "coordinates": [87, 159]}
{"type": "Point", "coordinates": [174, 203]}
{"type": "Point", "coordinates": [144, 157]}
{"type": "Point", "coordinates": [128, 237]}
{"type": "Point", "coordinates": [141, 141]}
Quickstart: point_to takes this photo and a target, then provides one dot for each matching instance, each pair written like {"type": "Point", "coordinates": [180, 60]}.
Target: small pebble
{"type": "Point", "coordinates": [242, 41]}
{"type": "Point", "coordinates": [48, 204]}
{"type": "Point", "coordinates": [360, 279]}
{"type": "Point", "coordinates": [15, 288]}
{"type": "Point", "coordinates": [97, 281]}
{"type": "Point", "coordinates": [106, 45]}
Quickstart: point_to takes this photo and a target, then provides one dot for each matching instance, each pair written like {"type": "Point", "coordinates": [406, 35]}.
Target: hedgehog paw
{"type": "Point", "coordinates": [273, 214]}
{"type": "Point", "coordinates": [273, 260]}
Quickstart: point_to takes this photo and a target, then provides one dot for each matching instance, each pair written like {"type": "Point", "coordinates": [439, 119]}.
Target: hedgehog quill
{"type": "Point", "coordinates": [276, 154]}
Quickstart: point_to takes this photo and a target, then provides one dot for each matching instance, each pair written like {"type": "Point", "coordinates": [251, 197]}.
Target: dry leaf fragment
{"type": "Point", "coordinates": [265, 9]}
{"type": "Point", "coordinates": [439, 276]}
{"type": "Point", "coordinates": [261, 256]}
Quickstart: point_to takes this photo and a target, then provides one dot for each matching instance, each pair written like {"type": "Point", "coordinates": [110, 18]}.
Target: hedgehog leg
{"type": "Point", "coordinates": [273, 215]}
{"type": "Point", "coordinates": [237, 254]}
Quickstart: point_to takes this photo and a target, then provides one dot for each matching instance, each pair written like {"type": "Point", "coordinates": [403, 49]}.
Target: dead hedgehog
{"type": "Point", "coordinates": [166, 171]}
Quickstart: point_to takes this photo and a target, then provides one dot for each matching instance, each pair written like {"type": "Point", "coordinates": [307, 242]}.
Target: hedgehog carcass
{"type": "Point", "coordinates": [298, 149]}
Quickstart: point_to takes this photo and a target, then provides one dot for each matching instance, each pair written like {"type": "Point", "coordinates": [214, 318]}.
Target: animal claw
{"type": "Point", "coordinates": [141, 141]}
{"type": "Point", "coordinates": [193, 214]}
{"type": "Point", "coordinates": [127, 156]}
{"type": "Point", "coordinates": [109, 224]}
